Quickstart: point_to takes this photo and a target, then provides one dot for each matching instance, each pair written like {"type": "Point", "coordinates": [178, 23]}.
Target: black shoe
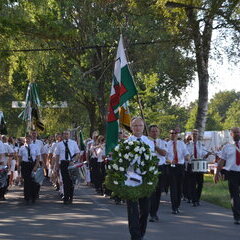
{"type": "Point", "coordinates": [2, 199]}
{"type": "Point", "coordinates": [194, 204]}
{"type": "Point", "coordinates": [178, 211]}
{"type": "Point", "coordinates": [198, 204]}
{"type": "Point", "coordinates": [236, 221]}
{"type": "Point", "coordinates": [153, 219]}
{"type": "Point", "coordinates": [26, 202]}
{"type": "Point", "coordinates": [174, 212]}
{"type": "Point", "coordinates": [188, 201]}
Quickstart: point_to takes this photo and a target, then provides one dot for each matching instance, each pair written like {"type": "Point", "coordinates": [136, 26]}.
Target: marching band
{"type": "Point", "coordinates": [181, 162]}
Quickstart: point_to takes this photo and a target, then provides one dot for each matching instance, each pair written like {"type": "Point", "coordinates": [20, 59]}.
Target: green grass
{"type": "Point", "coordinates": [217, 194]}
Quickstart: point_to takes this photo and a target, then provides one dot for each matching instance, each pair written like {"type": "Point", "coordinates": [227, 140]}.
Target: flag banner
{"type": "Point", "coordinates": [31, 112]}
{"type": "Point", "coordinates": [81, 142]}
{"type": "Point", "coordinates": [123, 89]}
{"type": "Point", "coordinates": [124, 117]}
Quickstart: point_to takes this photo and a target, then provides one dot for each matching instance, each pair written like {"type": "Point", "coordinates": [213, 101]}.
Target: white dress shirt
{"type": "Point", "coordinates": [229, 155]}
{"type": "Point", "coordinates": [34, 152]}
{"type": "Point", "coordinates": [46, 148]}
{"type": "Point", "coordinates": [100, 150]}
{"type": "Point", "coordinates": [73, 149]}
{"type": "Point", "coordinates": [162, 145]}
{"type": "Point", "coordinates": [182, 151]}
{"type": "Point", "coordinates": [2, 152]}
{"type": "Point", "coordinates": [8, 150]}
{"type": "Point", "coordinates": [143, 139]}
{"type": "Point", "coordinates": [200, 151]}
{"type": "Point", "coordinates": [93, 151]}
{"type": "Point", "coordinates": [39, 144]}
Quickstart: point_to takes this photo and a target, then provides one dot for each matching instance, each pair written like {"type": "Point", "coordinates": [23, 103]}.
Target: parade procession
{"type": "Point", "coordinates": [119, 120]}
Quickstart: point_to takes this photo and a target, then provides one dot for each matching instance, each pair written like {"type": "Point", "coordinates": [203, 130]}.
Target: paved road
{"type": "Point", "coordinates": [93, 217]}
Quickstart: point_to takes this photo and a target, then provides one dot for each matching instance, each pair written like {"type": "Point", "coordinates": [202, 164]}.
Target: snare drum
{"type": "Point", "coordinates": [199, 165]}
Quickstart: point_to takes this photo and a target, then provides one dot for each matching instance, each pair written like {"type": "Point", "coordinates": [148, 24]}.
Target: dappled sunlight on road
{"type": "Point", "coordinates": [93, 217]}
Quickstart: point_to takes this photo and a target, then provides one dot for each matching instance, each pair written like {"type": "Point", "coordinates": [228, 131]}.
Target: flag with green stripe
{"type": "Point", "coordinates": [123, 89]}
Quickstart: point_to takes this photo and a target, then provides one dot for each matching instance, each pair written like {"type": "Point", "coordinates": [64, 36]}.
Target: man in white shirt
{"type": "Point", "coordinates": [29, 156]}
{"type": "Point", "coordinates": [2, 157]}
{"type": "Point", "coordinates": [160, 148]}
{"type": "Point", "coordinates": [230, 156]}
{"type": "Point", "coordinates": [138, 211]}
{"type": "Point", "coordinates": [65, 152]}
{"type": "Point", "coordinates": [9, 152]}
{"type": "Point", "coordinates": [177, 153]}
{"type": "Point", "coordinates": [39, 144]}
{"type": "Point", "coordinates": [196, 151]}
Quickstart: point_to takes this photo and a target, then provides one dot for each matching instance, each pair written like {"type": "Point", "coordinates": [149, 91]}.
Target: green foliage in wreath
{"type": "Point", "coordinates": [133, 156]}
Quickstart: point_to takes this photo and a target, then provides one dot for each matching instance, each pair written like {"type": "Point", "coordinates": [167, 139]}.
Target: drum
{"type": "Point", "coordinates": [38, 176]}
{"type": "Point", "coordinates": [199, 165]}
{"type": "Point", "coordinates": [76, 172]}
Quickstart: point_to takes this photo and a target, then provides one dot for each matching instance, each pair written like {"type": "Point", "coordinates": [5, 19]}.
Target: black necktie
{"type": "Point", "coordinates": [29, 153]}
{"type": "Point", "coordinates": [67, 152]}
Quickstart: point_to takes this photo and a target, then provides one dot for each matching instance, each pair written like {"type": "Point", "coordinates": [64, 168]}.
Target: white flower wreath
{"type": "Point", "coordinates": [132, 162]}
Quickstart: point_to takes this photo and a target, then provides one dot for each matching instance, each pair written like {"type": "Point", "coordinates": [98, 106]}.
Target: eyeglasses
{"type": "Point", "coordinates": [173, 133]}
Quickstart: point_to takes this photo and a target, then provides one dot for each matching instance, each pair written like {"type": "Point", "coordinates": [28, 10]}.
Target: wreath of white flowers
{"type": "Point", "coordinates": [133, 172]}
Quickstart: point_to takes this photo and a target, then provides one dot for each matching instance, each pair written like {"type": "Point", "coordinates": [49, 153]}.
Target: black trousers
{"type": "Point", "coordinates": [93, 170]}
{"type": "Point", "coordinates": [30, 187]}
{"type": "Point", "coordinates": [100, 176]}
{"type": "Point", "coordinates": [137, 217]}
{"type": "Point", "coordinates": [196, 186]}
{"type": "Point", "coordinates": [176, 185]}
{"type": "Point", "coordinates": [68, 186]}
{"type": "Point", "coordinates": [156, 195]}
{"type": "Point", "coordinates": [234, 189]}
{"type": "Point", "coordinates": [187, 182]}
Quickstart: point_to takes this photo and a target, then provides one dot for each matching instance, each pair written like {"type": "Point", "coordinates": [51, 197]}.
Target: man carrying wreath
{"type": "Point", "coordinates": [138, 210]}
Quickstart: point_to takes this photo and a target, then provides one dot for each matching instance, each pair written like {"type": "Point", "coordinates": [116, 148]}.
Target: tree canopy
{"type": "Point", "coordinates": [70, 49]}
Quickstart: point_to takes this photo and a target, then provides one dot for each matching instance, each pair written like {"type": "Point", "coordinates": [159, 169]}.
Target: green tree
{"type": "Point", "coordinates": [220, 104]}
{"type": "Point", "coordinates": [195, 21]}
{"type": "Point", "coordinates": [83, 75]}
{"type": "Point", "coordinates": [232, 116]}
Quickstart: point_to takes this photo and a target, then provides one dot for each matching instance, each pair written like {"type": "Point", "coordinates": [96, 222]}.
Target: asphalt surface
{"type": "Point", "coordinates": [94, 217]}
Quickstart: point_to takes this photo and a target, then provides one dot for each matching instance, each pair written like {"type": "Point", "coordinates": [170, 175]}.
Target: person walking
{"type": "Point", "coordinates": [230, 157]}
{"type": "Point", "coordinates": [66, 151]}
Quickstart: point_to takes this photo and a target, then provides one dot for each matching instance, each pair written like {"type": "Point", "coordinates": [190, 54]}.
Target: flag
{"type": "Point", "coordinates": [3, 127]}
{"type": "Point", "coordinates": [123, 89]}
{"type": "Point", "coordinates": [31, 112]}
{"type": "Point", "coordinates": [124, 117]}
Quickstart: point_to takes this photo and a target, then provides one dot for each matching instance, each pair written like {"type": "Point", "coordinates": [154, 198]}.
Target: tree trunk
{"type": "Point", "coordinates": [92, 118]}
{"type": "Point", "coordinates": [202, 44]}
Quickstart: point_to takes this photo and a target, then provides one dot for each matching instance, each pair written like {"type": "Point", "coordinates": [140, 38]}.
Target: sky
{"type": "Point", "coordinates": [223, 76]}
{"type": "Point", "coordinates": [226, 77]}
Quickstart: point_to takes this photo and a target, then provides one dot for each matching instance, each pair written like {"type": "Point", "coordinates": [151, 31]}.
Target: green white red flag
{"type": "Point", "coordinates": [123, 89]}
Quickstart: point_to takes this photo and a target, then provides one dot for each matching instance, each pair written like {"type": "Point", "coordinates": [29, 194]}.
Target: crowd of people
{"type": "Point", "coordinates": [20, 158]}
